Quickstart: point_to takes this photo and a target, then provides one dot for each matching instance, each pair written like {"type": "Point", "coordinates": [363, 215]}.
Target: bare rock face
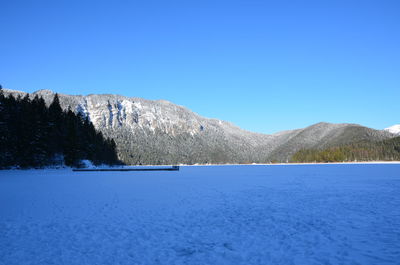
{"type": "Point", "coordinates": [160, 132]}
{"type": "Point", "coordinates": [112, 112]}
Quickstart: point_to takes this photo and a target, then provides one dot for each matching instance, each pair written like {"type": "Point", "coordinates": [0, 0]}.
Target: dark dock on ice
{"type": "Point", "coordinates": [172, 168]}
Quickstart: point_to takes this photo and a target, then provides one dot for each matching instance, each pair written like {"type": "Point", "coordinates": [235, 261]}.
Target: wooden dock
{"type": "Point", "coordinates": [172, 168]}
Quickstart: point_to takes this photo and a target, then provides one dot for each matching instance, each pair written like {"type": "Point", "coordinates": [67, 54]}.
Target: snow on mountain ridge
{"type": "Point", "coordinates": [113, 111]}
{"type": "Point", "coordinates": [157, 132]}
{"type": "Point", "coordinates": [395, 129]}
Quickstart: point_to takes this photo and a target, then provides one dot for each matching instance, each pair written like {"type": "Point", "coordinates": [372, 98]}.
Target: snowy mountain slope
{"type": "Point", "coordinates": [160, 132]}
{"type": "Point", "coordinates": [395, 129]}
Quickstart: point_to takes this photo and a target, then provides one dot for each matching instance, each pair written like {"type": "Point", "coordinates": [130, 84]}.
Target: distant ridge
{"type": "Point", "coordinates": [395, 129]}
{"type": "Point", "coordinates": [159, 132]}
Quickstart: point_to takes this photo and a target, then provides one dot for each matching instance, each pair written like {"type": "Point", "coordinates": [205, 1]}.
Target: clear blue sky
{"type": "Point", "coordinates": [263, 65]}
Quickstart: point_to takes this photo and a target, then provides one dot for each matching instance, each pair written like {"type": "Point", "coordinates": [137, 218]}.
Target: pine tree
{"type": "Point", "coordinates": [41, 152]}
{"type": "Point", "coordinates": [56, 126]}
{"type": "Point", "coordinates": [32, 134]}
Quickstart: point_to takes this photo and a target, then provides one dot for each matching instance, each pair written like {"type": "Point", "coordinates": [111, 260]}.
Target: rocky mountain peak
{"type": "Point", "coordinates": [395, 129]}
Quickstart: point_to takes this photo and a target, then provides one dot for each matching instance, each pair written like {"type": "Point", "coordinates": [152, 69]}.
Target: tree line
{"type": "Point", "coordinates": [386, 150]}
{"type": "Point", "coordinates": [33, 134]}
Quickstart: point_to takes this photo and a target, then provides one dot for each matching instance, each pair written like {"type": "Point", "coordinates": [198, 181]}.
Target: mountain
{"type": "Point", "coordinates": [160, 132]}
{"type": "Point", "coordinates": [395, 129]}
{"type": "Point", "coordinates": [324, 135]}
{"type": "Point", "coordinates": [385, 150]}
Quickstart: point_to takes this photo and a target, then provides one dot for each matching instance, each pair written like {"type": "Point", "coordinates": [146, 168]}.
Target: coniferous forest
{"type": "Point", "coordinates": [35, 135]}
{"type": "Point", "coordinates": [386, 150]}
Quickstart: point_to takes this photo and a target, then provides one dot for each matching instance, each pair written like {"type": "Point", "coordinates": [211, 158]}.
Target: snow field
{"type": "Point", "coordinates": [298, 214]}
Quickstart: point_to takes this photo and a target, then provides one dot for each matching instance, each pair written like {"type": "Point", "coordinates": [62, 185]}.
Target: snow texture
{"type": "Point", "coordinates": [395, 129]}
{"type": "Point", "coordinates": [298, 214]}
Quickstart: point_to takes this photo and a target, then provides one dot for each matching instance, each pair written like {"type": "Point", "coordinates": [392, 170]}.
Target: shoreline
{"type": "Point", "coordinates": [273, 164]}
{"type": "Point", "coordinates": [126, 167]}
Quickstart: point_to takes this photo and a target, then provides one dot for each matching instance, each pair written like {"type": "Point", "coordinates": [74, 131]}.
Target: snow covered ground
{"type": "Point", "coordinates": [298, 214]}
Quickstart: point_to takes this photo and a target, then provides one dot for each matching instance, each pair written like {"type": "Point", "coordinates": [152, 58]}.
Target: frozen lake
{"type": "Point", "coordinates": [296, 214]}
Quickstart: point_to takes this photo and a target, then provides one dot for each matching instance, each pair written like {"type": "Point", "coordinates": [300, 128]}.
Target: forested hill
{"type": "Point", "coordinates": [151, 132]}
{"type": "Point", "coordinates": [386, 150]}
{"type": "Point", "coordinates": [35, 135]}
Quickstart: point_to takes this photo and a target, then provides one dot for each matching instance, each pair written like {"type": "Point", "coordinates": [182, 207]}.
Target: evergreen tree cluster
{"type": "Point", "coordinates": [386, 150]}
{"type": "Point", "coordinates": [35, 135]}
